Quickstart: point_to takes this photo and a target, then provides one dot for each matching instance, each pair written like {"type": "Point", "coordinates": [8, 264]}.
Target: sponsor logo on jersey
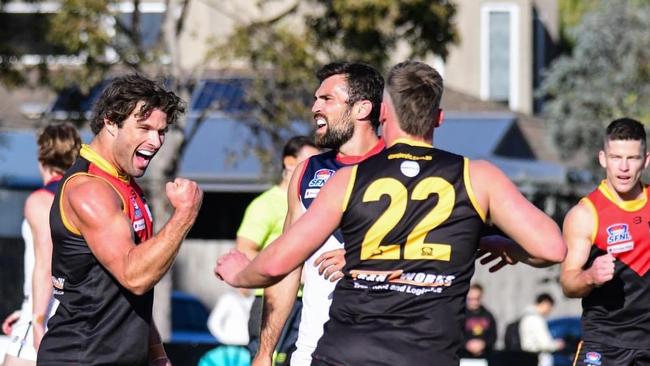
{"type": "Point", "coordinates": [409, 168]}
{"type": "Point", "coordinates": [618, 233]}
{"type": "Point", "coordinates": [375, 276]}
{"type": "Point", "coordinates": [593, 358]}
{"type": "Point", "coordinates": [139, 225]}
{"type": "Point", "coordinates": [620, 248]}
{"type": "Point", "coordinates": [399, 276]}
{"type": "Point", "coordinates": [320, 177]}
{"type": "Point", "coordinates": [408, 156]}
{"type": "Point", "coordinates": [425, 279]}
{"type": "Point", "coordinates": [311, 192]}
{"type": "Point", "coordinates": [136, 209]}
{"type": "Point", "coordinates": [58, 283]}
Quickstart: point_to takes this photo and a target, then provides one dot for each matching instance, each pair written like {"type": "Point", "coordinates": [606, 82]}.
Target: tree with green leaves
{"type": "Point", "coordinates": [284, 50]}
{"type": "Point", "coordinates": [606, 76]}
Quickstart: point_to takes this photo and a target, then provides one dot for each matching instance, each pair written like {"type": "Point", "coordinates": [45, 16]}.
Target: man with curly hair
{"type": "Point", "coordinates": [106, 259]}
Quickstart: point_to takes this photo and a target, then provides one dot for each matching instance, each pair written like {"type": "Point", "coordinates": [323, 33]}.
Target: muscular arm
{"type": "Point", "coordinates": [37, 214]}
{"type": "Point", "coordinates": [292, 248]}
{"type": "Point", "coordinates": [96, 210]}
{"type": "Point", "coordinates": [576, 281]}
{"type": "Point", "coordinates": [509, 210]}
{"type": "Point", "coordinates": [277, 301]}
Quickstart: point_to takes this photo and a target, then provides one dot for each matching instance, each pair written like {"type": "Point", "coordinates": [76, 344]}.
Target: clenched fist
{"type": "Point", "coordinates": [184, 194]}
{"type": "Point", "coordinates": [602, 270]}
{"type": "Point", "coordinates": [230, 265]}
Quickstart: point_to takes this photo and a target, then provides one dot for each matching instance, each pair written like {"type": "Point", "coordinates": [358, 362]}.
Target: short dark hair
{"type": "Point", "coordinates": [364, 83]}
{"type": "Point", "coordinates": [626, 129]}
{"type": "Point", "coordinates": [415, 89]}
{"type": "Point", "coordinates": [544, 297]}
{"type": "Point", "coordinates": [476, 286]}
{"type": "Point", "coordinates": [293, 146]}
{"type": "Point", "coordinates": [121, 96]}
{"type": "Point", "coordinates": [58, 146]}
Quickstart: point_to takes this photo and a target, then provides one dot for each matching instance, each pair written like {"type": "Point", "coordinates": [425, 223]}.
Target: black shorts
{"type": "Point", "coordinates": [598, 354]}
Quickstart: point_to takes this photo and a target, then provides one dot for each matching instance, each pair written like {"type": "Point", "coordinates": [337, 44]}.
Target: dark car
{"type": "Point", "coordinates": [569, 330]}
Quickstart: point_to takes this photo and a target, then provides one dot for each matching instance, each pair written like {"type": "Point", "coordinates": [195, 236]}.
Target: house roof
{"type": "Point", "coordinates": [497, 137]}
{"type": "Point", "coordinates": [220, 156]}
{"type": "Point", "coordinates": [474, 135]}
{"type": "Point", "coordinates": [533, 128]}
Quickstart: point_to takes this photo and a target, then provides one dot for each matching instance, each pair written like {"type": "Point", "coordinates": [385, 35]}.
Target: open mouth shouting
{"type": "Point", "coordinates": [321, 122]}
{"type": "Point", "coordinates": [143, 157]}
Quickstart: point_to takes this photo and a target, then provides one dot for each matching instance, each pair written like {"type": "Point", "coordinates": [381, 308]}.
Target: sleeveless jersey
{"type": "Point", "coordinates": [616, 313]}
{"type": "Point", "coordinates": [411, 228]}
{"type": "Point", "coordinates": [317, 291]}
{"type": "Point", "coordinates": [98, 321]}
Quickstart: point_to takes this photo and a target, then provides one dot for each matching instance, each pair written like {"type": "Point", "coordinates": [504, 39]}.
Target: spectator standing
{"type": "Point", "coordinates": [480, 329]}
{"type": "Point", "coordinates": [534, 333]}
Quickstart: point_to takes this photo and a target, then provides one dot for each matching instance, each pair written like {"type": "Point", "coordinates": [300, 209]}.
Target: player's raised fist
{"type": "Point", "coordinates": [602, 270]}
{"type": "Point", "coordinates": [184, 194]}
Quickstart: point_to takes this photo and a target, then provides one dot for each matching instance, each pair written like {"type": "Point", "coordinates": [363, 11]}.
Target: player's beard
{"type": "Point", "coordinates": [334, 137]}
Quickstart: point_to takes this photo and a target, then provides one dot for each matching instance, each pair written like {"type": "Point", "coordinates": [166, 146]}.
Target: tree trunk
{"type": "Point", "coordinates": [162, 170]}
{"type": "Point", "coordinates": [164, 167]}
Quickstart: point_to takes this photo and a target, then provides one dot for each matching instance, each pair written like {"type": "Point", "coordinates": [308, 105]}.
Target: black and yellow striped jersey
{"type": "Point", "coordinates": [411, 227]}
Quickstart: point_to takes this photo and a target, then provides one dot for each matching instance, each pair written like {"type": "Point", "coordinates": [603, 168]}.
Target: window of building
{"type": "Point", "coordinates": [24, 27]}
{"type": "Point", "coordinates": [499, 52]}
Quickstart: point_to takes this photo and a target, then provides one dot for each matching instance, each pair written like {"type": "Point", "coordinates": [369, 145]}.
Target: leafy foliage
{"type": "Point", "coordinates": [607, 76]}
{"type": "Point", "coordinates": [285, 51]}
{"type": "Point", "coordinates": [370, 30]}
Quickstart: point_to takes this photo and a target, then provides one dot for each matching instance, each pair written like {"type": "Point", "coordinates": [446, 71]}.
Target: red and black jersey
{"type": "Point", "coordinates": [97, 321]}
{"type": "Point", "coordinates": [411, 228]}
{"type": "Point", "coordinates": [616, 313]}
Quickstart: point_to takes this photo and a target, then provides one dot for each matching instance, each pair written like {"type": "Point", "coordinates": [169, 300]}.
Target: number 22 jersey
{"type": "Point", "coordinates": [411, 227]}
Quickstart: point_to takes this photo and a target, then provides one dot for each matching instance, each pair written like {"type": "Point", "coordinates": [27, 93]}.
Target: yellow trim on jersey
{"type": "Point", "coordinates": [407, 141]}
{"type": "Point", "coordinates": [68, 225]}
{"type": "Point", "coordinates": [92, 156]}
{"type": "Point", "coordinates": [594, 231]}
{"type": "Point", "coordinates": [630, 206]}
{"type": "Point", "coordinates": [470, 190]}
{"type": "Point", "coordinates": [348, 190]}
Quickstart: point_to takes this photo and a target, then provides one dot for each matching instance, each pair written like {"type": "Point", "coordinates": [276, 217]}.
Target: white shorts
{"type": "Point", "coordinates": [301, 358]}
{"type": "Point", "coordinates": [21, 340]}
